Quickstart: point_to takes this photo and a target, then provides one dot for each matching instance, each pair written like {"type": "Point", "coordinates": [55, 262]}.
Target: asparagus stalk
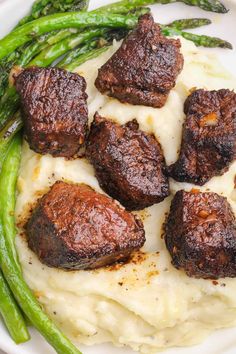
{"type": "Point", "coordinates": [41, 44]}
{"type": "Point", "coordinates": [11, 314]}
{"type": "Point", "coordinates": [206, 41]}
{"type": "Point", "coordinates": [83, 57]}
{"type": "Point", "coordinates": [49, 23]}
{"type": "Point", "coordinates": [46, 7]}
{"type": "Point", "coordinates": [107, 39]}
{"type": "Point", "coordinates": [7, 134]}
{"type": "Point", "coordinates": [8, 187]}
{"type": "Point", "coordinates": [4, 73]}
{"type": "Point", "coordinates": [122, 6]}
{"type": "Point", "coordinates": [75, 54]}
{"type": "Point", "coordinates": [50, 54]}
{"type": "Point", "coordinates": [208, 5]}
{"type": "Point", "coordinates": [189, 23]}
{"type": "Point", "coordinates": [139, 11]}
{"type": "Point", "coordinates": [9, 105]}
{"type": "Point", "coordinates": [199, 40]}
{"type": "Point", "coordinates": [9, 309]}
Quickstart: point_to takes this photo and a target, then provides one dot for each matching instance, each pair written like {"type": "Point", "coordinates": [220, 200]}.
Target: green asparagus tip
{"type": "Point", "coordinates": [222, 8]}
{"type": "Point", "coordinates": [208, 5]}
{"type": "Point", "coordinates": [199, 40]}
{"type": "Point", "coordinates": [226, 45]}
{"type": "Point", "coordinates": [189, 23]}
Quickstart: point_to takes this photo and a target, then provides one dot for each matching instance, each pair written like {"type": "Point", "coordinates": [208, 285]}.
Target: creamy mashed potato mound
{"type": "Point", "coordinates": [145, 304]}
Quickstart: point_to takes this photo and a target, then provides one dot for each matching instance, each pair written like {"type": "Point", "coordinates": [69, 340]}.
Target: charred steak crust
{"type": "Point", "coordinates": [74, 227]}
{"type": "Point", "coordinates": [200, 234]}
{"type": "Point", "coordinates": [128, 162]}
{"type": "Point", "coordinates": [209, 137]}
{"type": "Point", "coordinates": [144, 69]}
{"type": "Point", "coordinates": [55, 113]}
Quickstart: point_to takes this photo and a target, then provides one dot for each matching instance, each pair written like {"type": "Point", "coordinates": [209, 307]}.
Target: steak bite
{"type": "Point", "coordinates": [54, 110]}
{"type": "Point", "coordinates": [209, 137]}
{"type": "Point", "coordinates": [144, 69]}
{"type": "Point", "coordinates": [74, 227]}
{"type": "Point", "coordinates": [200, 234]}
{"type": "Point", "coordinates": [128, 162]}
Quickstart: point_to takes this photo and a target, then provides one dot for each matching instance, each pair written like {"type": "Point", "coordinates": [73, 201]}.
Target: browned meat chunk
{"type": "Point", "coordinates": [129, 163]}
{"type": "Point", "coordinates": [209, 137]}
{"type": "Point", "coordinates": [200, 234]}
{"type": "Point", "coordinates": [73, 227]}
{"type": "Point", "coordinates": [145, 67]}
{"type": "Point", "coordinates": [54, 110]}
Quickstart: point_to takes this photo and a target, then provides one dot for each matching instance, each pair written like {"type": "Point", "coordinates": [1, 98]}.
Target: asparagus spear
{"type": "Point", "coordinates": [83, 57]}
{"type": "Point", "coordinates": [139, 11]}
{"type": "Point", "coordinates": [6, 187]}
{"type": "Point", "coordinates": [208, 5]}
{"type": "Point", "coordinates": [189, 23]}
{"type": "Point", "coordinates": [9, 105]}
{"type": "Point", "coordinates": [8, 307]}
{"type": "Point", "coordinates": [107, 39]}
{"type": "Point", "coordinates": [49, 23]}
{"type": "Point", "coordinates": [206, 41]}
{"type": "Point", "coordinates": [122, 6]}
{"type": "Point", "coordinates": [76, 53]}
{"type": "Point", "coordinates": [41, 43]}
{"type": "Point", "coordinates": [5, 68]}
{"type": "Point", "coordinates": [199, 40]}
{"type": "Point", "coordinates": [9, 310]}
{"type": "Point", "coordinates": [46, 7]}
{"type": "Point", "coordinates": [11, 314]}
{"type": "Point", "coordinates": [7, 134]}
{"type": "Point", "coordinates": [50, 54]}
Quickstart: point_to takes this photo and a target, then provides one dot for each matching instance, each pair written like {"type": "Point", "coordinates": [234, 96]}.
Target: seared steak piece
{"type": "Point", "coordinates": [145, 67]}
{"type": "Point", "coordinates": [129, 163]}
{"type": "Point", "coordinates": [209, 137]}
{"type": "Point", "coordinates": [200, 234]}
{"type": "Point", "coordinates": [74, 227]}
{"type": "Point", "coordinates": [54, 110]}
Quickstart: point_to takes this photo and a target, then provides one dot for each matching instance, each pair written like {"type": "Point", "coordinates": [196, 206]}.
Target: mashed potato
{"type": "Point", "coordinates": [146, 304]}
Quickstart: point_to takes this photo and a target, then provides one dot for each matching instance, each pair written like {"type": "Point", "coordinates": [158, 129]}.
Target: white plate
{"type": "Point", "coordinates": [222, 341]}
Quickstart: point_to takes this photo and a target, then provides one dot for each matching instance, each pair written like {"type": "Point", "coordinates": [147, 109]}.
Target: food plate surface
{"type": "Point", "coordinates": [224, 26]}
